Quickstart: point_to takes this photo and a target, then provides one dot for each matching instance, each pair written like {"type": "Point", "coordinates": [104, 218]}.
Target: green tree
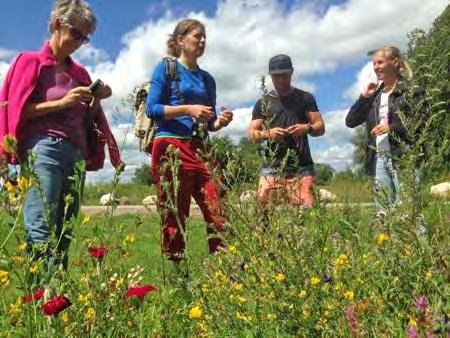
{"type": "Point", "coordinates": [143, 175]}
{"type": "Point", "coordinates": [324, 173]}
{"type": "Point", "coordinates": [429, 54]}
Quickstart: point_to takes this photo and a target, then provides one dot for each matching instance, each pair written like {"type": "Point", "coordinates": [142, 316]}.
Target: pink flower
{"type": "Point", "coordinates": [139, 291]}
{"type": "Point", "coordinates": [33, 296]}
{"type": "Point", "coordinates": [352, 320]}
{"type": "Point", "coordinates": [421, 303]}
{"type": "Point", "coordinates": [56, 305]}
{"type": "Point", "coordinates": [412, 332]}
{"type": "Point", "coordinates": [99, 252]}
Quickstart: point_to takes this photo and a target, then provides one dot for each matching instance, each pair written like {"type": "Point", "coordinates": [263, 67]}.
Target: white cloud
{"type": "Point", "coordinates": [3, 70]}
{"type": "Point", "coordinates": [7, 54]}
{"type": "Point", "coordinates": [242, 36]}
{"type": "Point", "coordinates": [365, 76]}
{"type": "Point", "coordinates": [90, 54]}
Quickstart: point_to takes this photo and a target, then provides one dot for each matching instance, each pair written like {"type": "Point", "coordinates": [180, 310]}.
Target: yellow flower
{"type": "Point", "coordinates": [19, 260]}
{"type": "Point", "coordinates": [271, 316]}
{"type": "Point", "coordinates": [22, 247]}
{"type": "Point", "coordinates": [241, 299]}
{"type": "Point", "coordinates": [382, 238]}
{"type": "Point", "coordinates": [302, 294]}
{"type": "Point", "coordinates": [280, 277]}
{"type": "Point", "coordinates": [412, 322]}
{"type": "Point", "coordinates": [130, 238]}
{"type": "Point", "coordinates": [4, 278]}
{"type": "Point", "coordinates": [314, 281]}
{"type": "Point", "coordinates": [272, 294]}
{"type": "Point", "coordinates": [119, 283]}
{"type": "Point", "coordinates": [305, 312]}
{"type": "Point", "coordinates": [86, 219]}
{"type": "Point", "coordinates": [33, 268]}
{"type": "Point", "coordinates": [220, 276]}
{"type": "Point", "coordinates": [90, 313]}
{"type": "Point", "coordinates": [232, 249]}
{"type": "Point", "coordinates": [16, 308]}
{"type": "Point", "coordinates": [349, 295]}
{"type": "Point", "coordinates": [365, 258]}
{"type": "Point", "coordinates": [10, 187]}
{"type": "Point", "coordinates": [340, 261]}
{"type": "Point", "coordinates": [25, 183]}
{"type": "Point", "coordinates": [196, 312]}
{"type": "Point", "coordinates": [238, 286]}
{"type": "Point", "coordinates": [205, 288]}
{"type": "Point", "coordinates": [65, 317]}
{"type": "Point", "coordinates": [84, 299]}
{"type": "Point", "coordinates": [243, 316]}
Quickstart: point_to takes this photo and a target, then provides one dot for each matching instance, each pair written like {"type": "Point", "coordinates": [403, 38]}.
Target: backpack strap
{"type": "Point", "coordinates": [173, 75]}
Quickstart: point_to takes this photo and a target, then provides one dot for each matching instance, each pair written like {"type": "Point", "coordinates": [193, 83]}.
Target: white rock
{"type": "Point", "coordinates": [150, 200]}
{"type": "Point", "coordinates": [441, 190]}
{"type": "Point", "coordinates": [326, 195]}
{"type": "Point", "coordinates": [247, 195]}
{"type": "Point", "coordinates": [108, 199]}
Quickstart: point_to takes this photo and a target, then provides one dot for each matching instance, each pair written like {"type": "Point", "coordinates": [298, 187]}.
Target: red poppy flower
{"type": "Point", "coordinates": [171, 231]}
{"type": "Point", "coordinates": [33, 296]}
{"type": "Point", "coordinates": [56, 305]}
{"type": "Point", "coordinates": [99, 252]}
{"type": "Point", "coordinates": [139, 291]}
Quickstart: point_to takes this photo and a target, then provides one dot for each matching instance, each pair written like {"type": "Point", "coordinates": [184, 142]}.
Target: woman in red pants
{"type": "Point", "coordinates": [184, 109]}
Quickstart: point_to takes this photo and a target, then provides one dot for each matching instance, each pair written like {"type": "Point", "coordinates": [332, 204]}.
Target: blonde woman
{"type": "Point", "coordinates": [378, 108]}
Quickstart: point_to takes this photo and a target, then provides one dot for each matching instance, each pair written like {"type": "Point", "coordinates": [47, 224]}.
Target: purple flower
{"type": "Point", "coordinates": [412, 332]}
{"type": "Point", "coordinates": [232, 279]}
{"type": "Point", "coordinates": [327, 279]}
{"type": "Point", "coordinates": [421, 303]}
{"type": "Point", "coordinates": [280, 236]}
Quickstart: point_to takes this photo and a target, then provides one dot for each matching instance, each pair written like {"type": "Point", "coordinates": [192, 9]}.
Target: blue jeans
{"type": "Point", "coordinates": [45, 208]}
{"type": "Point", "coordinates": [385, 184]}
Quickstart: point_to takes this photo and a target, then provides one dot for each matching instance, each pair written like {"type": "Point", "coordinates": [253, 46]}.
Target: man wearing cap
{"type": "Point", "coordinates": [283, 118]}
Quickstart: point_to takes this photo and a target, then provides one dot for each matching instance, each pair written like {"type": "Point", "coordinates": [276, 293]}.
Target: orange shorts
{"type": "Point", "coordinates": [295, 190]}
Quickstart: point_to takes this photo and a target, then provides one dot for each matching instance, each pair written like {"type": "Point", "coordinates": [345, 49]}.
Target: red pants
{"type": "Point", "coordinates": [174, 196]}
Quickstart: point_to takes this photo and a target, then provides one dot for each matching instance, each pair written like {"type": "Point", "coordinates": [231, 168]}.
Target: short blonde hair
{"type": "Point", "coordinates": [67, 10]}
{"type": "Point", "coordinates": [404, 71]}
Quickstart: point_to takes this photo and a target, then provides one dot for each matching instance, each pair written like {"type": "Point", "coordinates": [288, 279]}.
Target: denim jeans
{"type": "Point", "coordinates": [45, 208]}
{"type": "Point", "coordinates": [385, 184]}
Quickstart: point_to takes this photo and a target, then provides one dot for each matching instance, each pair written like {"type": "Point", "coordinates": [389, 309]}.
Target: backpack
{"type": "Point", "coordinates": [145, 127]}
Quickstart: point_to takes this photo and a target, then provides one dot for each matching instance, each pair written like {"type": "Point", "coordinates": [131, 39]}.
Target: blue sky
{"type": "Point", "coordinates": [327, 40]}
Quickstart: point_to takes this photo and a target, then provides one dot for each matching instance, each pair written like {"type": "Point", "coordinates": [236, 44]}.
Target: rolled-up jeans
{"type": "Point", "coordinates": [45, 209]}
{"type": "Point", "coordinates": [385, 184]}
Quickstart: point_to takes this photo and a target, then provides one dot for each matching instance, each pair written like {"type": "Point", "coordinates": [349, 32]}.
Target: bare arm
{"type": "Point", "coordinates": [257, 134]}
{"type": "Point", "coordinates": [317, 125]}
{"type": "Point", "coordinates": [73, 96]}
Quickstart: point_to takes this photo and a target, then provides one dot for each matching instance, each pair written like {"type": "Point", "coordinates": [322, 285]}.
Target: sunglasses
{"type": "Point", "coordinates": [76, 34]}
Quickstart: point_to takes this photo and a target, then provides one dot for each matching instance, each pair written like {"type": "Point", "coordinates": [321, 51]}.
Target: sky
{"type": "Point", "coordinates": [327, 41]}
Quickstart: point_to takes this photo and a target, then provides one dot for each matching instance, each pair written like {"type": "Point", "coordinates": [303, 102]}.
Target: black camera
{"type": "Point", "coordinates": [96, 85]}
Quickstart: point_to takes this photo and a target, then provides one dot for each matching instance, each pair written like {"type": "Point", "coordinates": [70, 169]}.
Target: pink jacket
{"type": "Point", "coordinates": [17, 88]}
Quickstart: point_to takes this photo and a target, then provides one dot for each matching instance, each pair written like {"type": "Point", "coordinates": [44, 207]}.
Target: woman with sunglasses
{"type": "Point", "coordinates": [184, 109]}
{"type": "Point", "coordinates": [50, 107]}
